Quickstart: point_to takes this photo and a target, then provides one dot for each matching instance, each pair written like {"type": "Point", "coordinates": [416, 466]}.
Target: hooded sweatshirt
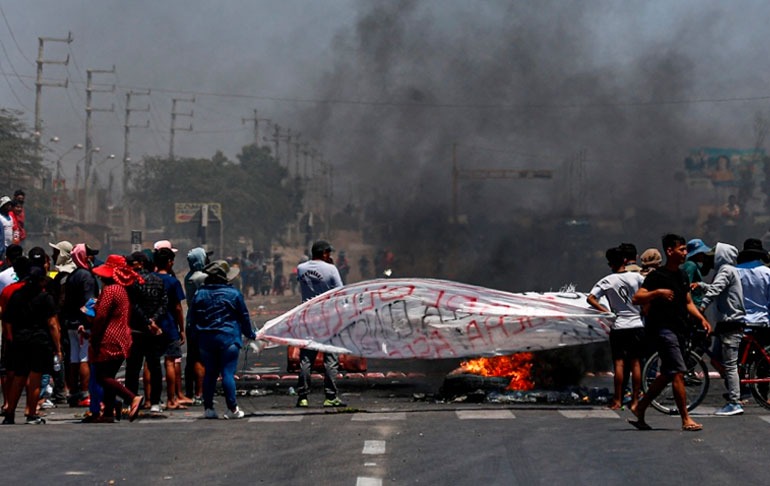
{"type": "Point", "coordinates": [196, 259]}
{"type": "Point", "coordinates": [726, 288]}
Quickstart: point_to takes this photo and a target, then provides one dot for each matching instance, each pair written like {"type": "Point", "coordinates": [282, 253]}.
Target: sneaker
{"type": "Point", "coordinates": [197, 401]}
{"type": "Point", "coordinates": [86, 402]}
{"type": "Point", "coordinates": [155, 409]}
{"type": "Point", "coordinates": [302, 403]}
{"type": "Point", "coordinates": [47, 404]}
{"type": "Point", "coordinates": [34, 420]}
{"type": "Point", "coordinates": [234, 414]}
{"type": "Point", "coordinates": [210, 413]}
{"type": "Point", "coordinates": [333, 402]}
{"type": "Point", "coordinates": [9, 420]}
{"type": "Point", "coordinates": [730, 409]}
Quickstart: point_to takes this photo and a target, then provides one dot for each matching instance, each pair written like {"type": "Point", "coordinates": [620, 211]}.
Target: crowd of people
{"type": "Point", "coordinates": [659, 304]}
{"type": "Point", "coordinates": [70, 322]}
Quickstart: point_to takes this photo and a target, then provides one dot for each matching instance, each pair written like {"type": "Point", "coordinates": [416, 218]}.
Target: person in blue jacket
{"type": "Point", "coordinates": [219, 316]}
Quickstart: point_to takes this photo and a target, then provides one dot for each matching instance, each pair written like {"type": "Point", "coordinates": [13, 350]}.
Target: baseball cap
{"type": "Point", "coordinates": [91, 251]}
{"type": "Point", "coordinates": [37, 257]}
{"type": "Point", "coordinates": [164, 244]}
{"type": "Point", "coordinates": [320, 246]}
{"type": "Point", "coordinates": [4, 200]}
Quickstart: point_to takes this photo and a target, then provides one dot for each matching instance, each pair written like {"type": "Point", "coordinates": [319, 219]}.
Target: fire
{"type": "Point", "coordinates": [516, 366]}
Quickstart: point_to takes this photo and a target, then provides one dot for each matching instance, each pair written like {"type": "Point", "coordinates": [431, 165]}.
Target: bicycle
{"type": "Point", "coordinates": [753, 371]}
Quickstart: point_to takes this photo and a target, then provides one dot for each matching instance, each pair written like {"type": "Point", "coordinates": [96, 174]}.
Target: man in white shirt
{"type": "Point", "coordinates": [6, 220]}
{"type": "Point", "coordinates": [627, 333]}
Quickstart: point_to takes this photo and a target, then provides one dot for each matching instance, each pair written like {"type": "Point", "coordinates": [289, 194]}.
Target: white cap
{"type": "Point", "coordinates": [164, 244]}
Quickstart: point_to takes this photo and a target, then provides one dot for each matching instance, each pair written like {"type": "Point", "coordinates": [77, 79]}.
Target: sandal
{"type": "Point", "coordinates": [639, 424]}
{"type": "Point", "coordinates": [692, 427]}
{"type": "Point", "coordinates": [133, 412]}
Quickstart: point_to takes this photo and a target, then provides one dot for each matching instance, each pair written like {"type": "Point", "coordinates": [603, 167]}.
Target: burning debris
{"type": "Point", "coordinates": [517, 367]}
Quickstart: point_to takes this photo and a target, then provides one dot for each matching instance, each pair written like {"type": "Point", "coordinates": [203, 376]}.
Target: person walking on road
{"type": "Point", "coordinates": [219, 316]}
{"type": "Point", "coordinates": [667, 292]}
{"type": "Point", "coordinates": [316, 277]}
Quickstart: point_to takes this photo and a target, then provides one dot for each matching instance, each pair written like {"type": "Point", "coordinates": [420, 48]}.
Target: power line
{"type": "Point", "coordinates": [13, 91]}
{"type": "Point", "coordinates": [7, 24]}
{"type": "Point", "coordinates": [10, 63]}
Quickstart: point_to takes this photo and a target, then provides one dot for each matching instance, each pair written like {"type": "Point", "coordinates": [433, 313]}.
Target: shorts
{"type": "Point", "coordinates": [78, 347]}
{"type": "Point", "coordinates": [29, 357]}
{"type": "Point", "coordinates": [671, 351]}
{"type": "Point", "coordinates": [173, 349]}
{"type": "Point", "coordinates": [5, 357]}
{"type": "Point", "coordinates": [627, 343]}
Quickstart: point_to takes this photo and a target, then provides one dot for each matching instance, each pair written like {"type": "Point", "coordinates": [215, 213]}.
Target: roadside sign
{"type": "Point", "coordinates": [185, 212]}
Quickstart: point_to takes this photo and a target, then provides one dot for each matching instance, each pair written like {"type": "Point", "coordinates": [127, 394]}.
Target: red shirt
{"type": "Point", "coordinates": [110, 332]}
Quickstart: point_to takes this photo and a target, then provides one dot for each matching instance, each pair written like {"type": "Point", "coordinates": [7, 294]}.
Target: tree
{"type": "Point", "coordinates": [256, 201]}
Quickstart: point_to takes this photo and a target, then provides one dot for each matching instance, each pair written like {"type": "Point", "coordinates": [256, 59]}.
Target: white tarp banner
{"type": "Point", "coordinates": [434, 319]}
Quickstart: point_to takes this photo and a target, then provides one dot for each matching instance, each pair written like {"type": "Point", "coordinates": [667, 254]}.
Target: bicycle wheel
{"type": "Point", "coordinates": [696, 381]}
{"type": "Point", "coordinates": [760, 369]}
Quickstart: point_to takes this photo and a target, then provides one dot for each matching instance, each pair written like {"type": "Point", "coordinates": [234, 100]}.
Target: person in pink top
{"type": "Point", "coordinates": [111, 335]}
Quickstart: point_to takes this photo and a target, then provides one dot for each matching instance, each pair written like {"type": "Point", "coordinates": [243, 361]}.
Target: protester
{"type": "Point", "coordinates": [148, 306]}
{"type": "Point", "coordinates": [111, 335]}
{"type": "Point", "coordinates": [755, 281]}
{"type": "Point", "coordinates": [628, 250]}
{"type": "Point", "coordinates": [627, 333]}
{"type": "Point", "coordinates": [21, 266]}
{"type": "Point", "coordinates": [34, 331]}
{"type": "Point", "coordinates": [668, 293]}
{"type": "Point", "coordinates": [62, 260]}
{"type": "Point", "coordinates": [79, 288]}
{"type": "Point", "coordinates": [219, 316]}
{"type": "Point", "coordinates": [651, 259]}
{"type": "Point", "coordinates": [6, 224]}
{"type": "Point", "coordinates": [19, 217]}
{"type": "Point", "coordinates": [172, 325]}
{"type": "Point", "coordinates": [8, 274]}
{"type": "Point", "coordinates": [316, 277]}
{"type": "Point", "coordinates": [197, 259]}
{"type": "Point", "coordinates": [697, 265]}
{"type": "Point", "coordinates": [727, 291]}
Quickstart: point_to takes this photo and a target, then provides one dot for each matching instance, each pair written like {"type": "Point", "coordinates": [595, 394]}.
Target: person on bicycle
{"type": "Point", "coordinates": [627, 333]}
{"type": "Point", "coordinates": [667, 292]}
{"type": "Point", "coordinates": [727, 291]}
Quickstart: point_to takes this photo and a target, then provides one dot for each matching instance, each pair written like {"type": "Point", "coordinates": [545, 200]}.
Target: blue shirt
{"type": "Point", "coordinates": [755, 280]}
{"type": "Point", "coordinates": [175, 296]}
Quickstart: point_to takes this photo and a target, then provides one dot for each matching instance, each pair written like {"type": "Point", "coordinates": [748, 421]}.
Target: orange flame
{"type": "Point", "coordinates": [516, 366]}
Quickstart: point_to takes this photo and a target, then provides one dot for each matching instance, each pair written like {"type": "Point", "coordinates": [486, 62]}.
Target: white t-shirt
{"type": "Point", "coordinates": [619, 288]}
{"type": "Point", "coordinates": [7, 277]}
{"type": "Point", "coordinates": [7, 222]}
{"type": "Point", "coordinates": [316, 277]}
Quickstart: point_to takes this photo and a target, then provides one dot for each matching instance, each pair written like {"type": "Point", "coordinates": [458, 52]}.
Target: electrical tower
{"type": "Point", "coordinates": [174, 128]}
{"type": "Point", "coordinates": [39, 83]}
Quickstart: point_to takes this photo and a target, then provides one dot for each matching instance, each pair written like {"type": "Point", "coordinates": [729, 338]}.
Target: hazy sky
{"type": "Point", "coordinates": [383, 88]}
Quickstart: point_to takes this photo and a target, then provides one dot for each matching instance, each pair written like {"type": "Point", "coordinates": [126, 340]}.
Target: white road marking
{"type": "Point", "coordinates": [374, 417]}
{"type": "Point", "coordinates": [166, 421]}
{"type": "Point", "coordinates": [484, 414]}
{"type": "Point", "coordinates": [582, 414]}
{"type": "Point", "coordinates": [370, 464]}
{"type": "Point", "coordinates": [277, 418]}
{"type": "Point", "coordinates": [364, 481]}
{"type": "Point", "coordinates": [766, 418]}
{"type": "Point", "coordinates": [374, 447]}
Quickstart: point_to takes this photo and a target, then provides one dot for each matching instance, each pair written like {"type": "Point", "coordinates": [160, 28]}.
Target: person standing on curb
{"type": "Point", "coordinates": [316, 277]}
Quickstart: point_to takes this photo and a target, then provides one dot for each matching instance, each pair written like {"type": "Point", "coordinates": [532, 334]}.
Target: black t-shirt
{"type": "Point", "coordinates": [664, 314]}
{"type": "Point", "coordinates": [28, 312]}
{"type": "Point", "coordinates": [78, 288]}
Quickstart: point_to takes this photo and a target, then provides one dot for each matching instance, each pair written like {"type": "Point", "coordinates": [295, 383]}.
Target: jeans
{"type": "Point", "coordinates": [219, 358]}
{"type": "Point", "coordinates": [730, 343]}
{"type": "Point", "coordinates": [331, 365]}
{"type": "Point", "coordinates": [105, 372]}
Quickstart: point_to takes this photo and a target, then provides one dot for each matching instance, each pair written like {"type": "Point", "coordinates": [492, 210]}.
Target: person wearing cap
{"type": "Point", "coordinates": [19, 216]}
{"type": "Point", "coordinates": [61, 256]}
{"type": "Point", "coordinates": [31, 315]}
{"type": "Point", "coordinates": [698, 264]}
{"type": "Point", "coordinates": [627, 333]}
{"type": "Point", "coordinates": [317, 276]}
{"type": "Point", "coordinates": [651, 259]}
{"type": "Point", "coordinates": [670, 311]}
{"type": "Point", "coordinates": [163, 244]}
{"type": "Point", "coordinates": [755, 280]}
{"type": "Point", "coordinates": [219, 315]}
{"type": "Point", "coordinates": [6, 223]}
{"type": "Point", "coordinates": [726, 290]}
{"type": "Point", "coordinates": [172, 325]}
{"type": "Point", "coordinates": [629, 253]}
{"type": "Point", "coordinates": [79, 287]}
{"type": "Point", "coordinates": [111, 335]}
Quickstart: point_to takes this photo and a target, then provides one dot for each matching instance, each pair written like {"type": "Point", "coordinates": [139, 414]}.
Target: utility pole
{"type": "Point", "coordinates": [256, 121]}
{"type": "Point", "coordinates": [276, 139]}
{"type": "Point", "coordinates": [90, 206]}
{"type": "Point", "coordinates": [127, 129]}
{"type": "Point", "coordinates": [174, 128]}
{"type": "Point", "coordinates": [39, 83]}
{"type": "Point", "coordinates": [126, 157]}
{"type": "Point", "coordinates": [297, 145]}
